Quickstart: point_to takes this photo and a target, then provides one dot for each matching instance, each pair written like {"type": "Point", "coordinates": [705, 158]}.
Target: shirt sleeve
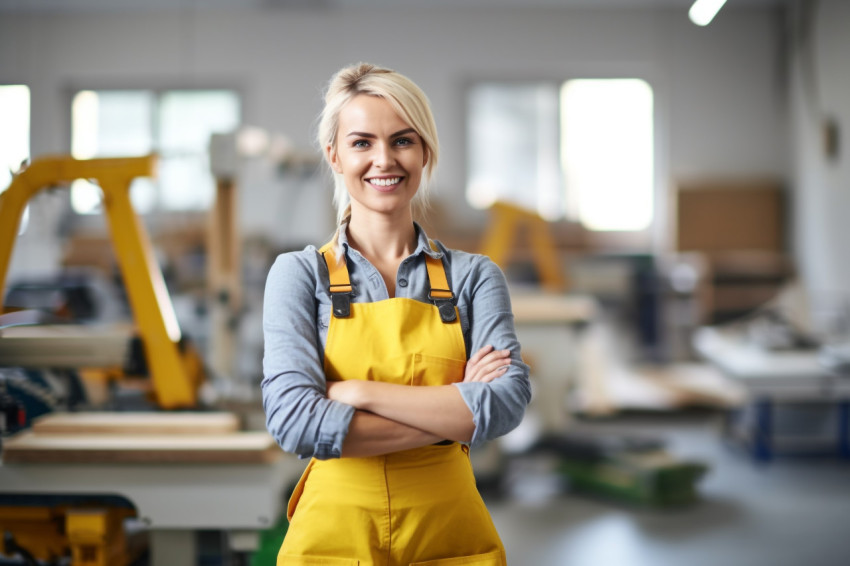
{"type": "Point", "coordinates": [497, 407]}
{"type": "Point", "coordinates": [298, 413]}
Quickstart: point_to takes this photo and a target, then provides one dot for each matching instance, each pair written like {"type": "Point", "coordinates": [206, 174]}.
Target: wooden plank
{"type": "Point", "coordinates": [547, 308]}
{"type": "Point", "coordinates": [231, 448]}
{"type": "Point", "coordinates": [148, 423]}
{"type": "Point", "coordinates": [65, 345]}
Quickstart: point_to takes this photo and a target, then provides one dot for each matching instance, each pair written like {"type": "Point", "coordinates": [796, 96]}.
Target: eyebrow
{"type": "Point", "coordinates": [373, 136]}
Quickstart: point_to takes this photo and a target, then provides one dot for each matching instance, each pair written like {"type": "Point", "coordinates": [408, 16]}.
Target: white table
{"type": "Point", "coordinates": [773, 377]}
{"type": "Point", "coordinates": [214, 479]}
{"type": "Point", "coordinates": [548, 327]}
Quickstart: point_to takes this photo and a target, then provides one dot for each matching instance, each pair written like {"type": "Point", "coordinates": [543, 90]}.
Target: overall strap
{"type": "Point", "coordinates": [340, 284]}
{"type": "Point", "coordinates": [341, 290]}
{"type": "Point", "coordinates": [440, 294]}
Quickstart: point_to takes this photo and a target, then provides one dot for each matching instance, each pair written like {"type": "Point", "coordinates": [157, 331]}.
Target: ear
{"type": "Point", "coordinates": [426, 156]}
{"type": "Point", "coordinates": [333, 159]}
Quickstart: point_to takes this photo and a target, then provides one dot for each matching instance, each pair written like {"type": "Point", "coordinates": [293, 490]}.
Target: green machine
{"type": "Point", "coordinates": [632, 470]}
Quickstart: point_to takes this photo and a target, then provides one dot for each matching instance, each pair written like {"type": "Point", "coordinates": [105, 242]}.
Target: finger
{"type": "Point", "coordinates": [488, 376]}
{"type": "Point", "coordinates": [501, 356]}
{"type": "Point", "coordinates": [492, 366]}
{"type": "Point", "coordinates": [496, 354]}
{"type": "Point", "coordinates": [476, 357]}
{"type": "Point", "coordinates": [484, 361]}
{"type": "Point", "coordinates": [474, 361]}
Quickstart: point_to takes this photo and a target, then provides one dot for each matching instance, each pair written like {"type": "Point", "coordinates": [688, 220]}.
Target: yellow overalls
{"type": "Point", "coordinates": [414, 507]}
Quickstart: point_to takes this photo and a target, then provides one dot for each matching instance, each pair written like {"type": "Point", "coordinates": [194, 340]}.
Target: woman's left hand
{"type": "Point", "coordinates": [487, 364]}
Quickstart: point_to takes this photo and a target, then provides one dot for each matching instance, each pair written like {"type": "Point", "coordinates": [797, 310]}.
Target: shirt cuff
{"type": "Point", "coordinates": [334, 430]}
{"type": "Point", "coordinates": [472, 393]}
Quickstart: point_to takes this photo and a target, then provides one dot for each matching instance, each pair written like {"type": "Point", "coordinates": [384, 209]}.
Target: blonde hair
{"type": "Point", "coordinates": [406, 98]}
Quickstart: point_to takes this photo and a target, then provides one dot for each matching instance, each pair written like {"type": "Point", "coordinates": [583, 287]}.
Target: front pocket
{"type": "Point", "coordinates": [434, 370]}
{"type": "Point", "coordinates": [495, 558]}
{"type": "Point", "coordinates": [286, 560]}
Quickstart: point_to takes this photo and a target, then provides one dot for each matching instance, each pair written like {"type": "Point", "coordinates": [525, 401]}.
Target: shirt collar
{"type": "Point", "coordinates": [422, 242]}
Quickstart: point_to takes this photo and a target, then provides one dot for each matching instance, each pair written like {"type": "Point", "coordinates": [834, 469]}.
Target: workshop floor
{"type": "Point", "coordinates": [790, 512]}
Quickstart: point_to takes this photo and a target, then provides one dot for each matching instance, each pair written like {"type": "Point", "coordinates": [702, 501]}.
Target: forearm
{"type": "Point", "coordinates": [372, 435]}
{"type": "Point", "coordinates": [439, 410]}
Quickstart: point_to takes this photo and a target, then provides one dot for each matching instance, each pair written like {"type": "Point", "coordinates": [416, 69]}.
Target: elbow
{"type": "Point", "coordinates": [505, 410]}
{"type": "Point", "coordinates": [508, 419]}
{"type": "Point", "coordinates": [304, 422]}
{"type": "Point", "coordinates": [288, 420]}
{"type": "Point", "coordinates": [283, 428]}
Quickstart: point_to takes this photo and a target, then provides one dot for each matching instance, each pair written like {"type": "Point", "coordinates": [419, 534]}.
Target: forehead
{"type": "Point", "coordinates": [370, 113]}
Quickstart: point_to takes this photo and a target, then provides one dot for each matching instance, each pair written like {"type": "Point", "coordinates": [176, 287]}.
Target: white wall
{"type": "Point", "coordinates": [718, 89]}
{"type": "Point", "coordinates": [821, 89]}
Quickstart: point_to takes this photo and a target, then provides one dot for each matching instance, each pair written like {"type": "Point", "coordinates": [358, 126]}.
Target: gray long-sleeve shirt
{"type": "Point", "coordinates": [296, 315]}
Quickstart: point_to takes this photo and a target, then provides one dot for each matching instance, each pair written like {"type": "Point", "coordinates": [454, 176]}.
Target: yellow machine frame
{"type": "Point", "coordinates": [175, 375]}
{"type": "Point", "coordinates": [506, 220]}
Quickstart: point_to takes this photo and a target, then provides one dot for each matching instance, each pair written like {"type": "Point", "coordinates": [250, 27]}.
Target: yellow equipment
{"type": "Point", "coordinates": [94, 536]}
{"type": "Point", "coordinates": [175, 371]}
{"type": "Point", "coordinates": [505, 222]}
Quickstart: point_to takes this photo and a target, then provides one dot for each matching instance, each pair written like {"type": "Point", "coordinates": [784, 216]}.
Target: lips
{"type": "Point", "coordinates": [384, 183]}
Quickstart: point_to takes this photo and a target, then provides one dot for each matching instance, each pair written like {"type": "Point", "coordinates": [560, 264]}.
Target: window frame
{"type": "Point", "coordinates": [656, 238]}
{"type": "Point", "coordinates": [5, 83]}
{"type": "Point", "coordinates": [157, 87]}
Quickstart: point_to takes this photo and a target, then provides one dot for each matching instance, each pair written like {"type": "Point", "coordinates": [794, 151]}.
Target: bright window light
{"type": "Point", "coordinates": [176, 124]}
{"type": "Point", "coordinates": [607, 152]}
{"type": "Point", "coordinates": [14, 130]}
{"type": "Point", "coordinates": [513, 147]}
{"type": "Point", "coordinates": [703, 11]}
{"type": "Point", "coordinates": [582, 150]}
{"type": "Point", "coordinates": [14, 136]}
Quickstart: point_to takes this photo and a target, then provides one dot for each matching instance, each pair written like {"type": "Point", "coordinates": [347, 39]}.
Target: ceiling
{"type": "Point", "coordinates": [59, 6]}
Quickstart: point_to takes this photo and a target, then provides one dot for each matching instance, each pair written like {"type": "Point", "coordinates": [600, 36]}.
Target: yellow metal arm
{"type": "Point", "coordinates": [506, 221]}
{"type": "Point", "coordinates": [175, 377]}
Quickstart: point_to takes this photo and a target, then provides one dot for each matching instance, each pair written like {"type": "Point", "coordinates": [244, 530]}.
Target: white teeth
{"type": "Point", "coordinates": [385, 182]}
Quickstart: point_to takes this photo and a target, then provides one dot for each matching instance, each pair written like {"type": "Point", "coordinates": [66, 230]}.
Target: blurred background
{"type": "Point", "coordinates": [665, 189]}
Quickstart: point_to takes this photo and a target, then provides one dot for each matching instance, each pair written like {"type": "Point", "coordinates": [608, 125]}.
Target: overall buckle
{"type": "Point", "coordinates": [445, 306]}
{"type": "Point", "coordinates": [341, 303]}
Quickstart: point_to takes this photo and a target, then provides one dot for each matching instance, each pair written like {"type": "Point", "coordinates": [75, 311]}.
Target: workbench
{"type": "Point", "coordinates": [774, 379]}
{"type": "Point", "coordinates": [548, 327]}
{"type": "Point", "coordinates": [183, 472]}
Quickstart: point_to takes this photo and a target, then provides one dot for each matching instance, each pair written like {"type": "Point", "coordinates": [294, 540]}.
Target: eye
{"type": "Point", "coordinates": [360, 144]}
{"type": "Point", "coordinates": [403, 141]}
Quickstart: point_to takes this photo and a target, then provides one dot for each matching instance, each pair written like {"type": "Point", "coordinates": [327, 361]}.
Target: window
{"type": "Point", "coordinates": [176, 124]}
{"type": "Point", "coordinates": [14, 130]}
{"type": "Point", "coordinates": [14, 135]}
{"type": "Point", "coordinates": [581, 150]}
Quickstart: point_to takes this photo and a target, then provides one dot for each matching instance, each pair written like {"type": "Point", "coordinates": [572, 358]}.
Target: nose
{"type": "Point", "coordinates": [384, 156]}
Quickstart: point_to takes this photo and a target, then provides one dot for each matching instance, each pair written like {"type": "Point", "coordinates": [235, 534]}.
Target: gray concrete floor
{"type": "Point", "coordinates": [789, 512]}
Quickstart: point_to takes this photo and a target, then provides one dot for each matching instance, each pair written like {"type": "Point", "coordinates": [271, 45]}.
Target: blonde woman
{"type": "Point", "coordinates": [386, 354]}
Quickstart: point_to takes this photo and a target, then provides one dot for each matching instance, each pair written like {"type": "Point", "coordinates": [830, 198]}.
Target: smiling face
{"type": "Point", "coordinates": [379, 155]}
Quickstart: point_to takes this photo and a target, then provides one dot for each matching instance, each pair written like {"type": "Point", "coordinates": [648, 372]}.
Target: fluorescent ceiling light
{"type": "Point", "coordinates": [703, 11]}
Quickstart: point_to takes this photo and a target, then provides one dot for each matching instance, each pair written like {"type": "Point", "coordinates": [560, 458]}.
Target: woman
{"type": "Point", "coordinates": [349, 328]}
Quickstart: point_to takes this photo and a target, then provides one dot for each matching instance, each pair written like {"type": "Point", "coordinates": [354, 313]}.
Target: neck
{"type": "Point", "coordinates": [380, 237]}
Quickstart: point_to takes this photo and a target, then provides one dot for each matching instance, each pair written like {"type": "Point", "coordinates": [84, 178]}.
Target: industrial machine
{"type": "Point", "coordinates": [174, 367]}
{"type": "Point", "coordinates": [507, 222]}
{"type": "Point", "coordinates": [632, 470]}
{"type": "Point", "coordinates": [48, 527]}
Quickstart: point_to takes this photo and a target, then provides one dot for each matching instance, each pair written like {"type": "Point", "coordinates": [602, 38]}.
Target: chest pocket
{"type": "Point", "coordinates": [436, 370]}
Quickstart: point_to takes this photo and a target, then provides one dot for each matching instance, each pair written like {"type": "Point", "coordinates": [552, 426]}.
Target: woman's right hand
{"type": "Point", "coordinates": [487, 364]}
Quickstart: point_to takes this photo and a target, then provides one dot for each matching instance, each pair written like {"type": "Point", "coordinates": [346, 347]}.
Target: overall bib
{"type": "Point", "coordinates": [415, 507]}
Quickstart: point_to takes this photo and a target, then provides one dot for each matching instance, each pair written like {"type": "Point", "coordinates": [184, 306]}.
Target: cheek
{"type": "Point", "coordinates": [352, 164]}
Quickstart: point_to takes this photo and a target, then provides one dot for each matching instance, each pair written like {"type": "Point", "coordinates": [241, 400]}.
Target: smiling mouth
{"type": "Point", "coordinates": [384, 182]}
